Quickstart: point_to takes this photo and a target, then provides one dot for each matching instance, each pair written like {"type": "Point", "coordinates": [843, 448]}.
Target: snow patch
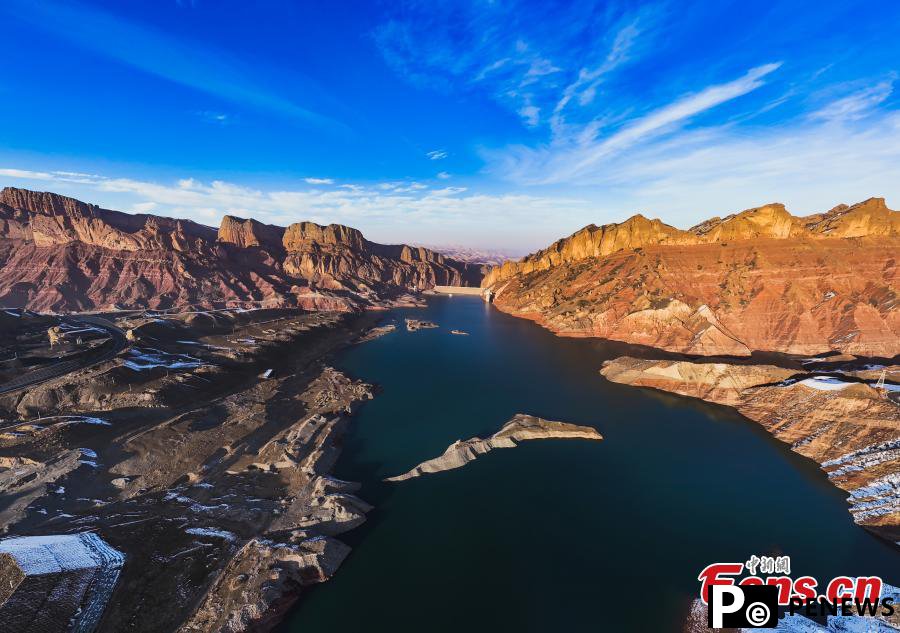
{"type": "Point", "coordinates": [149, 358]}
{"type": "Point", "coordinates": [223, 534]}
{"type": "Point", "coordinates": [81, 419]}
{"type": "Point", "coordinates": [825, 383]}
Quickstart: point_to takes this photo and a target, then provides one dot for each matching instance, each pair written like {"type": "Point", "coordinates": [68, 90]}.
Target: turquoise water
{"type": "Point", "coordinates": [551, 535]}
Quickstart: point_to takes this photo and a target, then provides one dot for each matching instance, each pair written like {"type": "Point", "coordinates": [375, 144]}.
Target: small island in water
{"type": "Point", "coordinates": [520, 427]}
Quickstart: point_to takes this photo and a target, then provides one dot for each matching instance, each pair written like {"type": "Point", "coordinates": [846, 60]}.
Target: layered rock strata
{"type": "Point", "coordinates": [60, 254]}
{"type": "Point", "coordinates": [761, 279]}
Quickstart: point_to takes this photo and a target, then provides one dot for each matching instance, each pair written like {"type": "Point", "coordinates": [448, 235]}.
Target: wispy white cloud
{"type": "Point", "coordinates": [522, 56]}
{"type": "Point", "coordinates": [437, 154]}
{"type": "Point", "coordinates": [531, 114]}
{"type": "Point", "coordinates": [200, 67]}
{"type": "Point", "coordinates": [856, 105]}
{"type": "Point", "coordinates": [211, 116]}
{"type": "Point", "coordinates": [144, 207]}
{"type": "Point", "coordinates": [26, 173]}
{"type": "Point", "coordinates": [388, 212]}
{"type": "Point", "coordinates": [584, 89]}
{"type": "Point", "coordinates": [583, 153]}
{"type": "Point", "coordinates": [319, 181]}
{"type": "Point", "coordinates": [810, 168]}
{"type": "Point", "coordinates": [443, 175]}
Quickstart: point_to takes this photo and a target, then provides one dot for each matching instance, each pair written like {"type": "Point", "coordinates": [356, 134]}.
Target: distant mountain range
{"type": "Point", "coordinates": [488, 256]}
{"type": "Point", "coordinates": [761, 279]}
{"type": "Point", "coordinates": [60, 254]}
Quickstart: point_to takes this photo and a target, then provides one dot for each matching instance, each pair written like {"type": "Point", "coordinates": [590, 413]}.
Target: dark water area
{"type": "Point", "coordinates": [558, 535]}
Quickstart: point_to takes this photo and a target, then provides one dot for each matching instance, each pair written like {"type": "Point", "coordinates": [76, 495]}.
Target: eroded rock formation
{"type": "Point", "coordinates": [202, 452]}
{"type": "Point", "coordinates": [60, 254]}
{"type": "Point", "coordinates": [849, 428]}
{"type": "Point", "coordinates": [520, 428]}
{"type": "Point", "coordinates": [761, 279]}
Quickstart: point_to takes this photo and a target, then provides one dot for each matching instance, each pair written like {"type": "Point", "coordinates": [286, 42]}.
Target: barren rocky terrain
{"type": "Point", "coordinates": [202, 452]}
{"type": "Point", "coordinates": [60, 254]}
{"type": "Point", "coordinates": [193, 425]}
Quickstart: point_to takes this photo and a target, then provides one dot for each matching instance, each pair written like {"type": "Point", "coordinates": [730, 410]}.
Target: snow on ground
{"type": "Point", "coordinates": [194, 506]}
{"type": "Point", "coordinates": [73, 329]}
{"type": "Point", "coordinates": [866, 457]}
{"type": "Point", "coordinates": [83, 419]}
{"type": "Point", "coordinates": [224, 534]}
{"type": "Point", "coordinates": [149, 358]}
{"type": "Point", "coordinates": [58, 552]}
{"type": "Point", "coordinates": [835, 383]}
{"type": "Point", "coordinates": [206, 345]}
{"type": "Point", "coordinates": [825, 383]}
{"type": "Point", "coordinates": [876, 499]}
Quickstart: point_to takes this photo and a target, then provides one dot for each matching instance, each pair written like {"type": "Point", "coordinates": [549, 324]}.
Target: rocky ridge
{"type": "Point", "coordinates": [60, 254]}
{"type": "Point", "coordinates": [519, 428]}
{"type": "Point", "coordinates": [848, 427]}
{"type": "Point", "coordinates": [761, 279]}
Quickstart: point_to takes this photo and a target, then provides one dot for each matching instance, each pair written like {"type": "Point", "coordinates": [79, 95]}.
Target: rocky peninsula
{"type": "Point", "coordinates": [519, 428]}
{"type": "Point", "coordinates": [845, 424]}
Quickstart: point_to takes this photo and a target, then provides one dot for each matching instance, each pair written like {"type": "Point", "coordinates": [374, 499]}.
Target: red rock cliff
{"type": "Point", "coordinates": [61, 254]}
{"type": "Point", "coordinates": [761, 279]}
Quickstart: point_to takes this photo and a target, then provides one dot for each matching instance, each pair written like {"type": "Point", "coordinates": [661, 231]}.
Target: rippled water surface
{"type": "Point", "coordinates": [551, 535]}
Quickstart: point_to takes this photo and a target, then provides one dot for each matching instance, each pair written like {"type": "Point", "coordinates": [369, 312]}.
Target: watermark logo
{"type": "Point", "coordinates": [754, 600]}
{"type": "Point", "coordinates": [731, 606]}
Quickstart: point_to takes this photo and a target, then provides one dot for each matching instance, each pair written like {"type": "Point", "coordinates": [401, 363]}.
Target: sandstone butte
{"type": "Point", "coordinates": [847, 427]}
{"type": "Point", "coordinates": [60, 254]}
{"type": "Point", "coordinates": [761, 279]}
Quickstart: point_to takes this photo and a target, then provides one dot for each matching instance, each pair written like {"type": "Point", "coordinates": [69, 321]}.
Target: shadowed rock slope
{"type": "Point", "coordinates": [761, 279]}
{"type": "Point", "coordinates": [60, 254]}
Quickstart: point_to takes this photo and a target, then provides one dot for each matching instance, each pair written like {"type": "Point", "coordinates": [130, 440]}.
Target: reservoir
{"type": "Point", "coordinates": [557, 535]}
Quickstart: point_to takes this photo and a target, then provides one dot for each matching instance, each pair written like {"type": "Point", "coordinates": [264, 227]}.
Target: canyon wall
{"type": "Point", "coordinates": [60, 254]}
{"type": "Point", "coordinates": [761, 279]}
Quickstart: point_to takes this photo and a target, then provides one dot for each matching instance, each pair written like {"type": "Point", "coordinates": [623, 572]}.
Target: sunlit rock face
{"type": "Point", "coordinates": [60, 254]}
{"type": "Point", "coordinates": [761, 279]}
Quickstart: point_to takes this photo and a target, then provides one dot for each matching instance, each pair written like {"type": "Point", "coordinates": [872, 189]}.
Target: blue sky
{"type": "Point", "coordinates": [488, 124]}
